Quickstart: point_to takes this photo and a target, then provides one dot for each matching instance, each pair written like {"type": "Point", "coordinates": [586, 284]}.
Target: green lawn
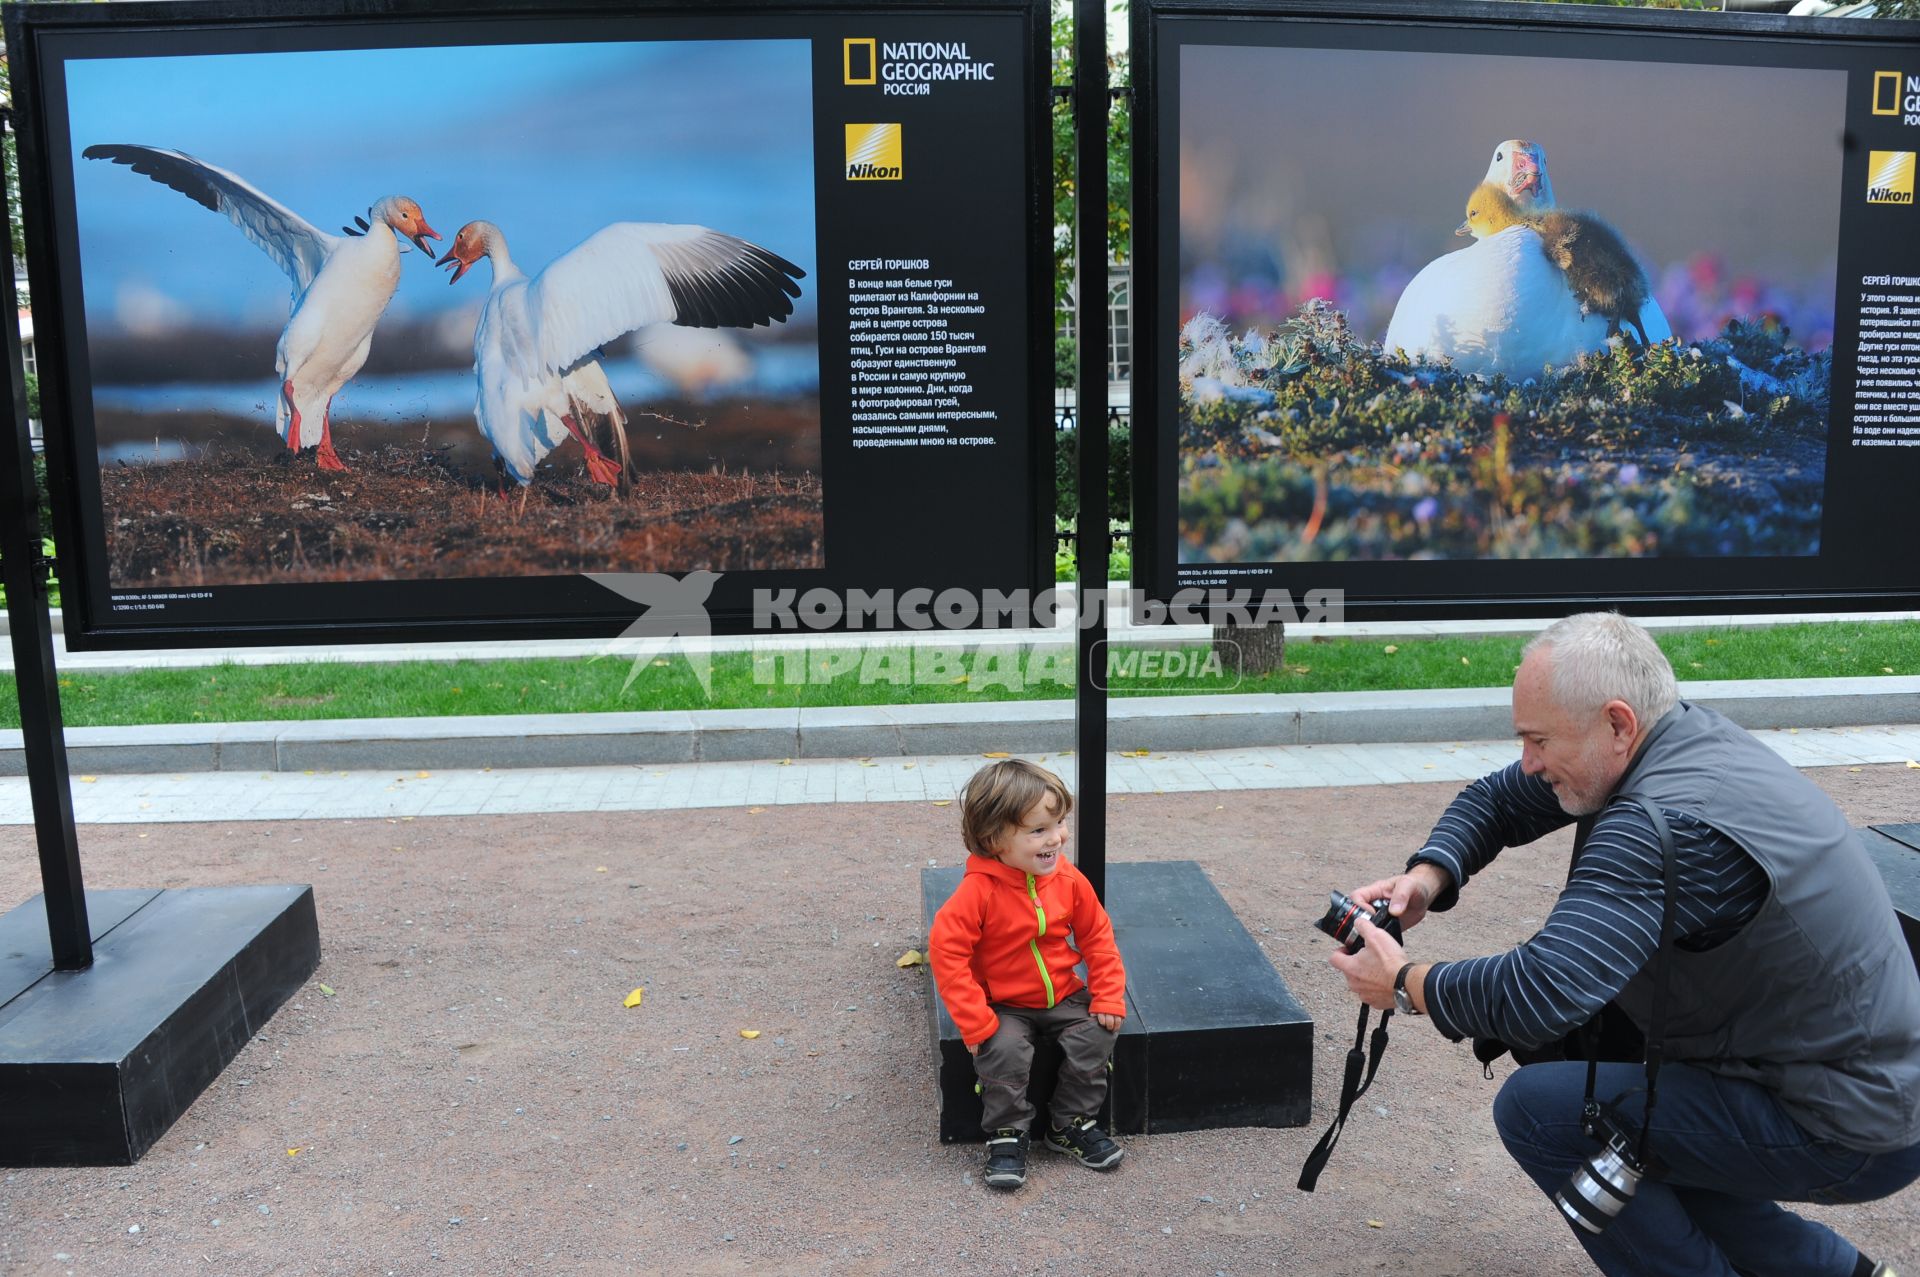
{"type": "Point", "coordinates": [878, 676]}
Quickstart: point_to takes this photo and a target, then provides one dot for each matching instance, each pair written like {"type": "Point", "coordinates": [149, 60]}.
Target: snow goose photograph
{"type": "Point", "coordinates": [341, 283]}
{"type": "Point", "coordinates": [1615, 356]}
{"type": "Point", "coordinates": [533, 348]}
{"type": "Point", "coordinates": [401, 408]}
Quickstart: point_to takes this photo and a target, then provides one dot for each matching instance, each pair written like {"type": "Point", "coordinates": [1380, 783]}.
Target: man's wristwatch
{"type": "Point", "coordinates": [1402, 1000]}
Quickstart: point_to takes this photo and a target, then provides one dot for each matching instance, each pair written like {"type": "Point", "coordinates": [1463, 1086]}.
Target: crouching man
{"type": "Point", "coordinates": [1785, 1003]}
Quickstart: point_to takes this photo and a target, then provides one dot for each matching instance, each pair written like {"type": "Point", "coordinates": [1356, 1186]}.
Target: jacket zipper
{"type": "Point", "coordinates": [1034, 944]}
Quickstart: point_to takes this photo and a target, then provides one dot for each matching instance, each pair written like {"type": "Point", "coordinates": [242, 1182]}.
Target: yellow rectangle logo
{"type": "Point", "coordinates": [860, 61]}
{"type": "Point", "coordinates": [873, 152]}
{"type": "Point", "coordinates": [1886, 93]}
{"type": "Point", "coordinates": [1890, 177]}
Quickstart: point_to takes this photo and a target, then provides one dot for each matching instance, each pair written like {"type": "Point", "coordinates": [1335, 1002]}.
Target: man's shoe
{"type": "Point", "coordinates": [1006, 1159]}
{"type": "Point", "coordinates": [1085, 1143]}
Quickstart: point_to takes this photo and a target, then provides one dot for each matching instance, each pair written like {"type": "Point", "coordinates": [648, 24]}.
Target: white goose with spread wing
{"type": "Point", "coordinates": [535, 346]}
{"type": "Point", "coordinates": [341, 283]}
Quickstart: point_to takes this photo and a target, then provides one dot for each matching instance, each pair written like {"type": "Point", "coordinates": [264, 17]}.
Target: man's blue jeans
{"type": "Point", "coordinates": [1727, 1153]}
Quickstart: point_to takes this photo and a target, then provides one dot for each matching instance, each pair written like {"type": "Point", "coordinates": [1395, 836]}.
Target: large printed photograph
{"type": "Point", "coordinates": [1473, 307]}
{"type": "Point", "coordinates": [450, 312]}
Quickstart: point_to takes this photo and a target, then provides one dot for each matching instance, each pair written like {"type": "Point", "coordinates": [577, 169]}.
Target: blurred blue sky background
{"type": "Point", "coordinates": [549, 141]}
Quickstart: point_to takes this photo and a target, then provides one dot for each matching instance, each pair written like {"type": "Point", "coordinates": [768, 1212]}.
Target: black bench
{"type": "Point", "coordinates": [95, 1065]}
{"type": "Point", "coordinates": [1213, 1037]}
{"type": "Point", "coordinates": [1896, 850]}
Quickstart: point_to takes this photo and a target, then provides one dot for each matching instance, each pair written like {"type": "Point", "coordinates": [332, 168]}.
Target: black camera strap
{"type": "Point", "coordinates": [1363, 1061]}
{"type": "Point", "coordinates": [1657, 1016]}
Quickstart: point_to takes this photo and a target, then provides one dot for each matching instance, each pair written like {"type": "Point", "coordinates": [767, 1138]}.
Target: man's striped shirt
{"type": "Point", "coordinates": [1606, 923]}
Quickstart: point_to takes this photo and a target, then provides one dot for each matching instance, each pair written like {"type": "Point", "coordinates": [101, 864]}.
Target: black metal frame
{"type": "Point", "coordinates": [31, 630]}
{"type": "Point", "coordinates": [1154, 517]}
{"type": "Point", "coordinates": [26, 24]}
{"type": "Point", "coordinates": [1093, 540]}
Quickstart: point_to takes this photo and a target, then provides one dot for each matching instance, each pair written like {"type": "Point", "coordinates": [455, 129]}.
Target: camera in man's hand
{"type": "Point", "coordinates": [1344, 912]}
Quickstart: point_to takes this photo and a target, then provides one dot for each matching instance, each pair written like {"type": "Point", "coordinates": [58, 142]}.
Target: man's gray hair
{"type": "Point", "coordinates": [1602, 656]}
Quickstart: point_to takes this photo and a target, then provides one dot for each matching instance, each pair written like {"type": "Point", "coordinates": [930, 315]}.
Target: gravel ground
{"type": "Point", "coordinates": [472, 1097]}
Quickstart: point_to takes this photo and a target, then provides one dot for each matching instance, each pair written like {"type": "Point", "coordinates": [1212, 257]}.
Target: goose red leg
{"type": "Point", "coordinates": [599, 468]}
{"type": "Point", "coordinates": [293, 425]}
{"type": "Point", "coordinates": [327, 458]}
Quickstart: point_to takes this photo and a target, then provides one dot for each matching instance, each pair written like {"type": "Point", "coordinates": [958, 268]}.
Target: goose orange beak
{"type": "Point", "coordinates": [458, 263]}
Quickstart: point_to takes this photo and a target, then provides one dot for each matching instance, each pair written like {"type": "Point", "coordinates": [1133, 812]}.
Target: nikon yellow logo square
{"type": "Point", "coordinates": [860, 61]}
{"type": "Point", "coordinates": [1890, 177]}
{"type": "Point", "coordinates": [873, 152]}
{"type": "Point", "coordinates": [1886, 93]}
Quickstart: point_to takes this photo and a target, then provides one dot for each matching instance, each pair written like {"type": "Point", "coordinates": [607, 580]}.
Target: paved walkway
{"type": "Point", "coordinates": [405, 795]}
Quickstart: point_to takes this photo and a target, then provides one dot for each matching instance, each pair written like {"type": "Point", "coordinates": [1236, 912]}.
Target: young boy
{"type": "Point", "coordinates": [1003, 966]}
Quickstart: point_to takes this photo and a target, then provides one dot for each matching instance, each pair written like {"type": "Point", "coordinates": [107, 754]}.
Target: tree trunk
{"type": "Point", "coordinates": [1253, 650]}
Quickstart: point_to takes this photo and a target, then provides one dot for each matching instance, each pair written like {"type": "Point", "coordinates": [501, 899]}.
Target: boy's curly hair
{"type": "Point", "coordinates": [1000, 794]}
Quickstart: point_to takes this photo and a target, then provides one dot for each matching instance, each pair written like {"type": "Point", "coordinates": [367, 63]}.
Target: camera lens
{"type": "Point", "coordinates": [1599, 1188]}
{"type": "Point", "coordinates": [1338, 920]}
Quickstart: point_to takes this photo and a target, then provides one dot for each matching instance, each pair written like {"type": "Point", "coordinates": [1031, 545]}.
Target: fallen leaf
{"type": "Point", "coordinates": [1853, 769]}
{"type": "Point", "coordinates": [786, 762]}
{"type": "Point", "coordinates": [88, 780]}
{"type": "Point", "coordinates": [749, 1034]}
{"type": "Point", "coordinates": [634, 998]}
{"type": "Point", "coordinates": [866, 762]}
{"type": "Point", "coordinates": [1391, 648]}
{"type": "Point", "coordinates": [907, 767]}
{"type": "Point", "coordinates": [1886, 669]}
{"type": "Point", "coordinates": [755, 811]}
{"type": "Point", "coordinates": [599, 869]}
{"type": "Point", "coordinates": [911, 958]}
{"type": "Point", "coordinates": [293, 1152]}
{"type": "Point", "coordinates": [423, 775]}
{"type": "Point", "coordinates": [956, 681]}
{"type": "Point", "coordinates": [326, 990]}
{"type": "Point", "coordinates": [998, 753]}
{"type": "Point", "coordinates": [1374, 1223]}
{"type": "Point", "coordinates": [1465, 661]}
{"type": "Point", "coordinates": [1136, 753]}
{"type": "Point", "coordinates": [943, 802]}
{"type": "Point", "coordinates": [1914, 765]}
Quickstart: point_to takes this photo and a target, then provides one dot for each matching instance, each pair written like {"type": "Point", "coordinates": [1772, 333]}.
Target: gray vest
{"type": "Point", "coordinates": [1816, 998]}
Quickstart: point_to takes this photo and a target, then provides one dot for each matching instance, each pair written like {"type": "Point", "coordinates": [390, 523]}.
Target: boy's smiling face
{"type": "Point", "coordinates": [1036, 844]}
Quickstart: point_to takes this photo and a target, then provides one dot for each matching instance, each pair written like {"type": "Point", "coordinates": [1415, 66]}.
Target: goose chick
{"type": "Point", "coordinates": [1600, 268]}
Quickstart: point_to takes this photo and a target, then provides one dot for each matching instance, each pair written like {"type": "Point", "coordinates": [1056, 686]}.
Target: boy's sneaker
{"type": "Point", "coordinates": [1086, 1143]}
{"type": "Point", "coordinates": [1006, 1159]}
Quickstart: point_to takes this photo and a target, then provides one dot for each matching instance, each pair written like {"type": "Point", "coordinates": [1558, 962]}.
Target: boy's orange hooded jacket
{"type": "Point", "coordinates": [1002, 937]}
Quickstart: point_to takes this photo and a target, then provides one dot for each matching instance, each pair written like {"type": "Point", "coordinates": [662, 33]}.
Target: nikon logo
{"type": "Point", "coordinates": [873, 152]}
{"type": "Point", "coordinates": [1890, 177]}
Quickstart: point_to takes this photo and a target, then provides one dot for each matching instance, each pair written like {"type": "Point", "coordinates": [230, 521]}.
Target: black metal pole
{"type": "Point", "coordinates": [25, 572]}
{"type": "Point", "coordinates": [1092, 540]}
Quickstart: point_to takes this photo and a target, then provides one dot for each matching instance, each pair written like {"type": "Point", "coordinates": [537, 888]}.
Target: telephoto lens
{"type": "Point", "coordinates": [1344, 911]}
{"type": "Point", "coordinates": [1600, 1187]}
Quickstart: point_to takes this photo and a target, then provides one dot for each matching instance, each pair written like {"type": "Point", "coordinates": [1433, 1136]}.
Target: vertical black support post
{"type": "Point", "coordinates": [31, 628]}
{"type": "Point", "coordinates": [1092, 539]}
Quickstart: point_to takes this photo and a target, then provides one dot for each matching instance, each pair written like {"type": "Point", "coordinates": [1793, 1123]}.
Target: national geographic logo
{"type": "Point", "coordinates": [909, 68]}
{"type": "Point", "coordinates": [873, 152]}
{"type": "Point", "coordinates": [860, 61]}
{"type": "Point", "coordinates": [1890, 177]}
{"type": "Point", "coordinates": [1897, 94]}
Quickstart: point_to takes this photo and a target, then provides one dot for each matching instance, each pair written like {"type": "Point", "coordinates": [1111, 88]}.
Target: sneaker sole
{"type": "Point", "coordinates": [1088, 1162]}
{"type": "Point", "coordinates": [1005, 1183]}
